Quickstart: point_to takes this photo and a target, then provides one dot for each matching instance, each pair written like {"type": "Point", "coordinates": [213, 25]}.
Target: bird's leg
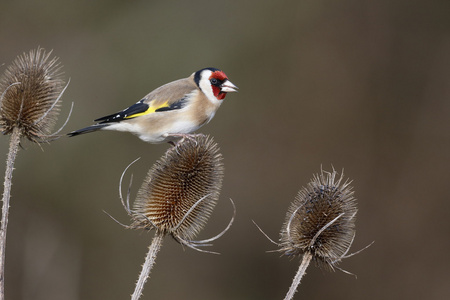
{"type": "Point", "coordinates": [183, 136]}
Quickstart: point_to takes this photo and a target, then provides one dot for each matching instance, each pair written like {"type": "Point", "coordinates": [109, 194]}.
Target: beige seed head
{"type": "Point", "coordinates": [29, 91]}
{"type": "Point", "coordinates": [181, 189]}
{"type": "Point", "coordinates": [321, 220]}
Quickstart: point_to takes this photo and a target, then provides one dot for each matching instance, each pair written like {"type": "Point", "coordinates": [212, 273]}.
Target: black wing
{"type": "Point", "coordinates": [137, 108]}
{"type": "Point", "coordinates": [141, 108]}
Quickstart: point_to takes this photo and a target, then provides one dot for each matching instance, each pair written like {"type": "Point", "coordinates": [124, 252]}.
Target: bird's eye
{"type": "Point", "coordinates": [214, 81]}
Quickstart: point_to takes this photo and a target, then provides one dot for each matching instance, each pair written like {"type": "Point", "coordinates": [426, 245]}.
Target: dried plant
{"type": "Point", "coordinates": [31, 90]}
{"type": "Point", "coordinates": [190, 171]}
{"type": "Point", "coordinates": [320, 224]}
{"type": "Point", "coordinates": [177, 197]}
{"type": "Point", "coordinates": [321, 220]}
{"type": "Point", "coordinates": [30, 94]}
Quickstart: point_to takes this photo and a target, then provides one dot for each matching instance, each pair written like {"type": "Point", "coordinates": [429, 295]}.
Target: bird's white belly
{"type": "Point", "coordinates": [156, 134]}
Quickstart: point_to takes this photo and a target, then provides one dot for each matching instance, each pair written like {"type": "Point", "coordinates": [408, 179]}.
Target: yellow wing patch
{"type": "Point", "coordinates": [151, 109]}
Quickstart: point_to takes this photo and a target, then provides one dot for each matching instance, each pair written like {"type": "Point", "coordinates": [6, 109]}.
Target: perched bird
{"type": "Point", "coordinates": [171, 111]}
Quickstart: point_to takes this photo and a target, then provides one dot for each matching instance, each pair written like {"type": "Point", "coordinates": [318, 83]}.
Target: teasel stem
{"type": "Point", "coordinates": [176, 198]}
{"type": "Point", "coordinates": [148, 264]}
{"type": "Point", "coordinates": [319, 225]}
{"type": "Point", "coordinates": [30, 92]}
{"type": "Point", "coordinates": [307, 257]}
{"type": "Point", "coordinates": [13, 149]}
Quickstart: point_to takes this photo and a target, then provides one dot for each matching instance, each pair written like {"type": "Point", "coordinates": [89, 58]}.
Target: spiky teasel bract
{"type": "Point", "coordinates": [321, 220]}
{"type": "Point", "coordinates": [320, 225]}
{"type": "Point", "coordinates": [177, 197]}
{"type": "Point", "coordinates": [181, 189]}
{"type": "Point", "coordinates": [30, 91]}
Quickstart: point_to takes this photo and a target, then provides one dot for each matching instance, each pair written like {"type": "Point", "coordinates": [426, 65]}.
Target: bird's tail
{"type": "Point", "coordinates": [88, 129]}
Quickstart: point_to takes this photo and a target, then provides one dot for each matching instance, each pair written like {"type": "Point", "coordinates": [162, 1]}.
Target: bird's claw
{"type": "Point", "coordinates": [183, 137]}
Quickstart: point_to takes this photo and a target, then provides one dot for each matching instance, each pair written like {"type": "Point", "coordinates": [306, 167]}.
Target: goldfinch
{"type": "Point", "coordinates": [171, 111]}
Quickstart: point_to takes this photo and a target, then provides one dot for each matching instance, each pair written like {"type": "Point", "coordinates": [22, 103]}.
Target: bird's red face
{"type": "Point", "coordinates": [221, 85]}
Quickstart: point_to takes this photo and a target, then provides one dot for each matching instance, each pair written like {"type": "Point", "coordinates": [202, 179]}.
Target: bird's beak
{"type": "Point", "coordinates": [227, 86]}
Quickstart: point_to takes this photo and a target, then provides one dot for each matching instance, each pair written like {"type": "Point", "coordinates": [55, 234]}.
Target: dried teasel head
{"type": "Point", "coordinates": [181, 189]}
{"type": "Point", "coordinates": [321, 220]}
{"type": "Point", "coordinates": [30, 91]}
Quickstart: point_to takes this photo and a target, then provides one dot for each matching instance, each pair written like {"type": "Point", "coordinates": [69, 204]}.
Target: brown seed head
{"type": "Point", "coordinates": [29, 91]}
{"type": "Point", "coordinates": [169, 197]}
{"type": "Point", "coordinates": [321, 220]}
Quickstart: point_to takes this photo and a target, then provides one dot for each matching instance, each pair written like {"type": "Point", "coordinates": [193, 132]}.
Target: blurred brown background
{"type": "Point", "coordinates": [359, 85]}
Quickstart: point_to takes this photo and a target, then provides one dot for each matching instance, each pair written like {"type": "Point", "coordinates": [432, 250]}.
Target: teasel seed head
{"type": "Point", "coordinates": [321, 220]}
{"type": "Point", "coordinates": [30, 91]}
{"type": "Point", "coordinates": [177, 197]}
{"type": "Point", "coordinates": [181, 189]}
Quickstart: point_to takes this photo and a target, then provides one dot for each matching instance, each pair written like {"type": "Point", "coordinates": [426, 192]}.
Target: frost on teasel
{"type": "Point", "coordinates": [321, 220]}
{"type": "Point", "coordinates": [30, 91]}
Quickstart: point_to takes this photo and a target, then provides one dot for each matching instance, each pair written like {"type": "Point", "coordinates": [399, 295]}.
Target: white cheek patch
{"type": "Point", "coordinates": [205, 86]}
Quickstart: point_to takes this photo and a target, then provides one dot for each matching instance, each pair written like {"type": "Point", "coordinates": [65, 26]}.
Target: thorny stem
{"type": "Point", "coordinates": [13, 149]}
{"type": "Point", "coordinates": [148, 264]}
{"type": "Point", "coordinates": [298, 277]}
